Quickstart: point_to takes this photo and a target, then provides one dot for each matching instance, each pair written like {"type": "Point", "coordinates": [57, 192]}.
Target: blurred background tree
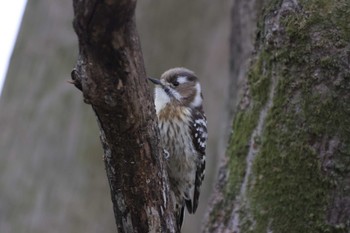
{"type": "Point", "coordinates": [52, 173]}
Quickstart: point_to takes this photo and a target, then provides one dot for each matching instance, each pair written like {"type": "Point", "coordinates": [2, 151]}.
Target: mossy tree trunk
{"type": "Point", "coordinates": [288, 160]}
{"type": "Point", "coordinates": [110, 73]}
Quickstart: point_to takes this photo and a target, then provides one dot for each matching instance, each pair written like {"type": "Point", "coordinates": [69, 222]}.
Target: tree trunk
{"type": "Point", "coordinates": [110, 72]}
{"type": "Point", "coordinates": [288, 159]}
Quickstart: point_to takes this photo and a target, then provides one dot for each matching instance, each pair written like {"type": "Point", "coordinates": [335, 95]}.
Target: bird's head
{"type": "Point", "coordinates": [178, 86]}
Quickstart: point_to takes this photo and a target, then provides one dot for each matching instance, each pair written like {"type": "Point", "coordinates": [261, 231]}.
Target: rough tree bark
{"type": "Point", "coordinates": [110, 73]}
{"type": "Point", "coordinates": [288, 160]}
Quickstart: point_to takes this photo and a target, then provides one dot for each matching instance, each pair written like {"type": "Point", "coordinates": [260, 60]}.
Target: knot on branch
{"type": "Point", "coordinates": [76, 79]}
{"type": "Point", "coordinates": [76, 76]}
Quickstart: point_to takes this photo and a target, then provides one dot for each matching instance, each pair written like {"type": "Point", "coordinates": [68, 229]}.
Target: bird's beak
{"type": "Point", "coordinates": [155, 81]}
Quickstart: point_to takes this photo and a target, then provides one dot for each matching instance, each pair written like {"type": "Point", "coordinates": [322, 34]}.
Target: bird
{"type": "Point", "coordinates": [183, 134]}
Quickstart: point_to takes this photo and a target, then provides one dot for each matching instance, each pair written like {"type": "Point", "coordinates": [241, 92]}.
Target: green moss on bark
{"type": "Point", "coordinates": [243, 125]}
{"type": "Point", "coordinates": [246, 120]}
{"type": "Point", "coordinates": [259, 79]}
{"type": "Point", "coordinates": [290, 191]}
{"type": "Point", "coordinates": [310, 119]}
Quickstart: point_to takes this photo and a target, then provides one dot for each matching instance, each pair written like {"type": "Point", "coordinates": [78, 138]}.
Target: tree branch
{"type": "Point", "coordinates": [110, 73]}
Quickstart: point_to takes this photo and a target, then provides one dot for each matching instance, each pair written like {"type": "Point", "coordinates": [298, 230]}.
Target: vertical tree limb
{"type": "Point", "coordinates": [110, 73]}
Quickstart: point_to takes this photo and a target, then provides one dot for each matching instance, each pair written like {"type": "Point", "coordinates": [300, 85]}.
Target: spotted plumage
{"type": "Point", "coordinates": [183, 129]}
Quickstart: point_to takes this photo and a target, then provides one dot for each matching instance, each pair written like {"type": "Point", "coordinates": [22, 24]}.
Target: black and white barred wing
{"type": "Point", "coordinates": [199, 138]}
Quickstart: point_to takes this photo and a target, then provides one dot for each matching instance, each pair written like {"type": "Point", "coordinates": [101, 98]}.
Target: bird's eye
{"type": "Point", "coordinates": [176, 83]}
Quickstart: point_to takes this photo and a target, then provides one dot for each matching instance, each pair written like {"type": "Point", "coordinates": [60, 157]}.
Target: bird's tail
{"type": "Point", "coordinates": [180, 211]}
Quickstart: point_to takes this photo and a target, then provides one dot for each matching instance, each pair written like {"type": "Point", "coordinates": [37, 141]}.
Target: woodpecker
{"type": "Point", "coordinates": [183, 130]}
